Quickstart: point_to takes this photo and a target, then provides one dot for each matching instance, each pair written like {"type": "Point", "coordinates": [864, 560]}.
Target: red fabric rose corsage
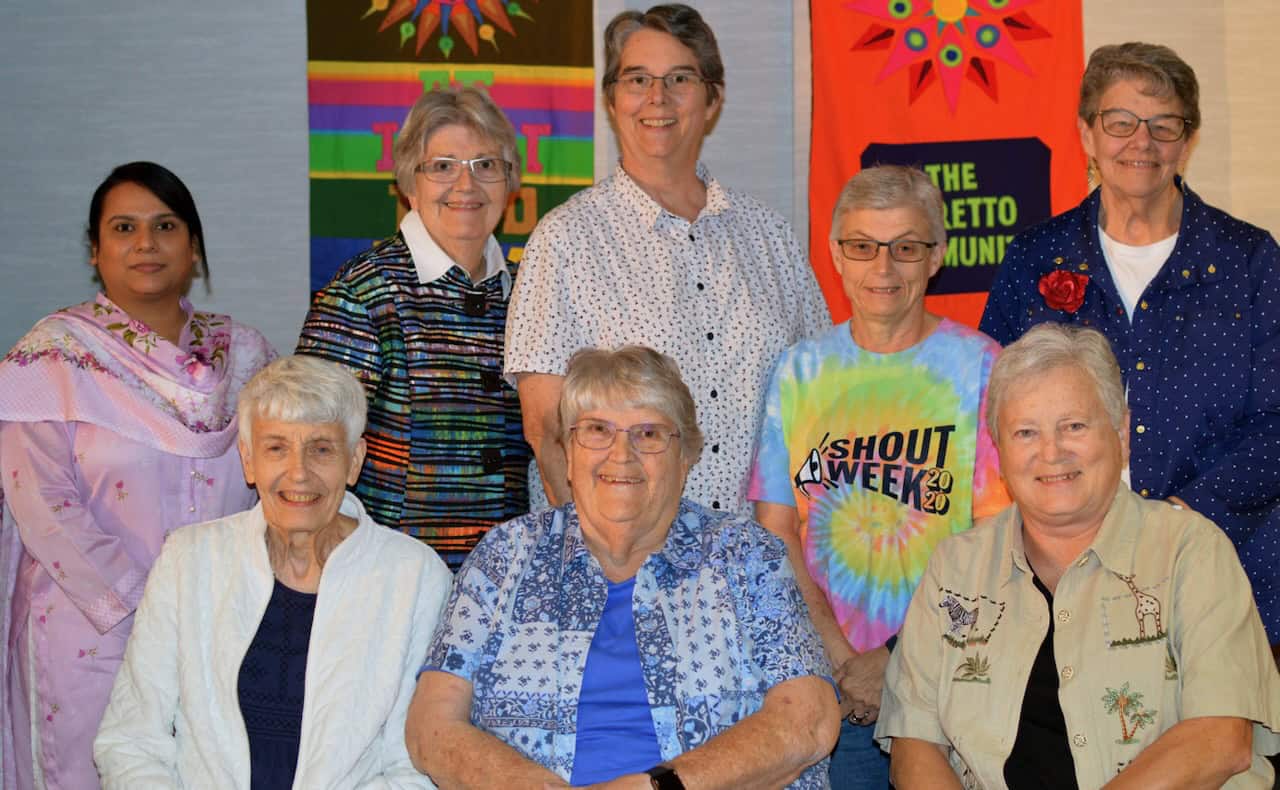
{"type": "Point", "coordinates": [1063, 290]}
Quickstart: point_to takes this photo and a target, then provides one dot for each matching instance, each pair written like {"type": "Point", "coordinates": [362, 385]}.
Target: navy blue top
{"type": "Point", "coordinates": [615, 727]}
{"type": "Point", "coordinates": [1200, 359]}
{"type": "Point", "coordinates": [271, 684]}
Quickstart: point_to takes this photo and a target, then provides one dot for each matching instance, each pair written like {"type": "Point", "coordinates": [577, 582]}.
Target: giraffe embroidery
{"type": "Point", "coordinates": [1145, 605]}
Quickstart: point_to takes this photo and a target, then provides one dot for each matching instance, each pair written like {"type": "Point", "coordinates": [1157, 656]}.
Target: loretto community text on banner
{"type": "Point", "coordinates": [981, 94]}
{"type": "Point", "coordinates": [369, 60]}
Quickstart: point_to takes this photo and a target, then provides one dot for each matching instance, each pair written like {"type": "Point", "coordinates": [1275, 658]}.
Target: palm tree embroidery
{"type": "Point", "coordinates": [1128, 705]}
{"type": "Point", "coordinates": [975, 669]}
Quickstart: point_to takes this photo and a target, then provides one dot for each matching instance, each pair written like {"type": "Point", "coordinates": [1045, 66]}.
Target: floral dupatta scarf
{"type": "Point", "coordinates": [92, 363]}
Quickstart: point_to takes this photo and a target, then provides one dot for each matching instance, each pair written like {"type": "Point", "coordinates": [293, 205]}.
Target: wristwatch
{"type": "Point", "coordinates": [664, 777]}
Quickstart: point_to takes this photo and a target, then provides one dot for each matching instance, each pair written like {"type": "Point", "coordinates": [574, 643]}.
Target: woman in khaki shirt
{"type": "Point", "coordinates": [1085, 637]}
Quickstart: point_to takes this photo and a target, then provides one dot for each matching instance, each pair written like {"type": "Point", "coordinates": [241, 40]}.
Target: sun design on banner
{"type": "Point", "coordinates": [472, 20]}
{"type": "Point", "coordinates": [948, 41]}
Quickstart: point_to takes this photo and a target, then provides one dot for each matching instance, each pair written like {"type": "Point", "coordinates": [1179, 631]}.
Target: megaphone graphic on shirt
{"type": "Point", "coordinates": [810, 471]}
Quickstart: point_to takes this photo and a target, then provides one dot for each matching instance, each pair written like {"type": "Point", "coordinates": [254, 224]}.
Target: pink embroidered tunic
{"type": "Point", "coordinates": [110, 438]}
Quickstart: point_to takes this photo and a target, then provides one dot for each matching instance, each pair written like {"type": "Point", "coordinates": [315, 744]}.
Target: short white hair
{"type": "Point", "coordinates": [302, 389]}
{"type": "Point", "coordinates": [1048, 346]}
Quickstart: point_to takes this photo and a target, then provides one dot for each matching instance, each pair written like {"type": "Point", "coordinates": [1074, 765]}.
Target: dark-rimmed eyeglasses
{"type": "Point", "coordinates": [679, 83]}
{"type": "Point", "coordinates": [901, 250]}
{"type": "Point", "coordinates": [446, 169]}
{"type": "Point", "coordinates": [647, 437]}
{"type": "Point", "coordinates": [1122, 123]}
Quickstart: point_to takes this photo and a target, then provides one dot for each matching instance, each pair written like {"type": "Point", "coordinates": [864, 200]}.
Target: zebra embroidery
{"type": "Point", "coordinates": [962, 619]}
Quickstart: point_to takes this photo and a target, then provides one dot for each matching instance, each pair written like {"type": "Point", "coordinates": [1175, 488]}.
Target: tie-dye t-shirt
{"type": "Point", "coordinates": [883, 456]}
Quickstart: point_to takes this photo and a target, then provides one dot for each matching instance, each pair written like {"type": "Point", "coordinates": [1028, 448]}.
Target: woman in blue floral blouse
{"type": "Point", "coordinates": [630, 638]}
{"type": "Point", "coordinates": [1188, 296]}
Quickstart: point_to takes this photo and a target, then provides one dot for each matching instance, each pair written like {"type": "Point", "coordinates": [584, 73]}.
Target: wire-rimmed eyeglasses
{"type": "Point", "coordinates": [446, 169]}
{"type": "Point", "coordinates": [680, 83]}
{"type": "Point", "coordinates": [646, 437]}
{"type": "Point", "coordinates": [1122, 123]}
{"type": "Point", "coordinates": [901, 250]}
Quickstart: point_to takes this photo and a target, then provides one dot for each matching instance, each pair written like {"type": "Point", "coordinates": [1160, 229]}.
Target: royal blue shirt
{"type": "Point", "coordinates": [1200, 359]}
{"type": "Point", "coordinates": [615, 728]}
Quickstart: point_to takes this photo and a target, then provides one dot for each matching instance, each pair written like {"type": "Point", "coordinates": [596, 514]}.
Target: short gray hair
{"type": "Point", "coordinates": [1048, 346]}
{"type": "Point", "coordinates": [441, 107]}
{"type": "Point", "coordinates": [634, 377]}
{"type": "Point", "coordinates": [677, 20]}
{"type": "Point", "coordinates": [1160, 70]}
{"type": "Point", "coordinates": [303, 389]}
{"type": "Point", "coordinates": [892, 186]}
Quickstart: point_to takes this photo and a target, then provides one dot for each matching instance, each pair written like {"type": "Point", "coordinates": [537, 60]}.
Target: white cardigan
{"type": "Point", "coordinates": [174, 717]}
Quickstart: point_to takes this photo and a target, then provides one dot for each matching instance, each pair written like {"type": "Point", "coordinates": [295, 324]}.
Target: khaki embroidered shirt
{"type": "Point", "coordinates": [1153, 624]}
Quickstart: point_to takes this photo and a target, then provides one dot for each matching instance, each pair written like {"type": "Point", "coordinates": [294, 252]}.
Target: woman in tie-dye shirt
{"type": "Point", "coordinates": [873, 448]}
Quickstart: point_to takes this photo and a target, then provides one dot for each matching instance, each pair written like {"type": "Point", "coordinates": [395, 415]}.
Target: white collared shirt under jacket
{"type": "Point", "coordinates": [174, 717]}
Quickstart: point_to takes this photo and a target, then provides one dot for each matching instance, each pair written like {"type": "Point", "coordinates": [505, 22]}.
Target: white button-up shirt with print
{"type": "Point", "coordinates": [724, 295]}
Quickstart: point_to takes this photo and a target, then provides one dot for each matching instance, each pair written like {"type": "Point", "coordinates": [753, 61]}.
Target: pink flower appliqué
{"type": "Point", "coordinates": [196, 364]}
{"type": "Point", "coordinates": [120, 492]}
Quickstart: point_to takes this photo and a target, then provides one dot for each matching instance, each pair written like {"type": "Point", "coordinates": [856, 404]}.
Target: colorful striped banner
{"type": "Point", "coordinates": [364, 75]}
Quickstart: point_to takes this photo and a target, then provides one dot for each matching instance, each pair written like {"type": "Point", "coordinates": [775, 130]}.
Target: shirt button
{"type": "Point", "coordinates": [715, 505]}
{"type": "Point", "coordinates": [1064, 616]}
{"type": "Point", "coordinates": [1068, 673]}
{"type": "Point", "coordinates": [1079, 740]}
{"type": "Point", "coordinates": [715, 448]}
{"type": "Point", "coordinates": [1143, 304]}
{"type": "Point", "coordinates": [1141, 429]}
{"type": "Point", "coordinates": [714, 394]}
{"type": "Point", "coordinates": [191, 509]}
{"type": "Point", "coordinates": [701, 287]}
{"type": "Point", "coordinates": [1186, 273]}
{"type": "Point", "coordinates": [711, 336]}
{"type": "Point", "coordinates": [1145, 492]}
{"type": "Point", "coordinates": [1141, 365]}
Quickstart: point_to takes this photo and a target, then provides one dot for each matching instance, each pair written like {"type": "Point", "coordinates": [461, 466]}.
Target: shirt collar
{"type": "Point", "coordinates": [648, 209]}
{"type": "Point", "coordinates": [683, 549]}
{"type": "Point", "coordinates": [1113, 545]}
{"type": "Point", "coordinates": [431, 261]}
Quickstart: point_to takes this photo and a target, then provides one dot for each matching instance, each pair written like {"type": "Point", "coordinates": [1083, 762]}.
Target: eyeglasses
{"type": "Point", "coordinates": [901, 250]}
{"type": "Point", "coordinates": [647, 437]}
{"type": "Point", "coordinates": [1122, 123]}
{"type": "Point", "coordinates": [679, 83]}
{"type": "Point", "coordinates": [446, 169]}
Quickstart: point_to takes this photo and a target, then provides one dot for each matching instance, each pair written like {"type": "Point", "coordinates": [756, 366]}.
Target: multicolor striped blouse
{"type": "Point", "coordinates": [447, 457]}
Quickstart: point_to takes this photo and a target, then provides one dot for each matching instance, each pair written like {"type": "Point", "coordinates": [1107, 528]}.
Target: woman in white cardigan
{"type": "Point", "coordinates": [278, 647]}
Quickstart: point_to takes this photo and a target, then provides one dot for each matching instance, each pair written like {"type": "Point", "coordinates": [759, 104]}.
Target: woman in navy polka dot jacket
{"type": "Point", "coordinates": [1187, 295]}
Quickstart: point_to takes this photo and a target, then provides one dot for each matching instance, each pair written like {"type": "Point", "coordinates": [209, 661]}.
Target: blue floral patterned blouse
{"type": "Point", "coordinates": [719, 621]}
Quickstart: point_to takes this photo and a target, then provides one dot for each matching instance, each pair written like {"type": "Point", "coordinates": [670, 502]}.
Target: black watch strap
{"type": "Point", "coordinates": [664, 777]}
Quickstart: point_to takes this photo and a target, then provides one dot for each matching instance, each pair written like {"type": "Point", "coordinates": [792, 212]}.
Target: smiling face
{"type": "Point", "coordinates": [460, 216]}
{"type": "Point", "coordinates": [659, 126]}
{"type": "Point", "coordinates": [301, 471]}
{"type": "Point", "coordinates": [144, 251]}
{"type": "Point", "coordinates": [619, 489]}
{"type": "Point", "coordinates": [883, 290]}
{"type": "Point", "coordinates": [1060, 456]}
{"type": "Point", "coordinates": [1138, 166]}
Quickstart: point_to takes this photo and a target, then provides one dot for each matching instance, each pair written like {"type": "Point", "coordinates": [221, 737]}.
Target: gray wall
{"type": "Point", "coordinates": [217, 92]}
{"type": "Point", "coordinates": [214, 91]}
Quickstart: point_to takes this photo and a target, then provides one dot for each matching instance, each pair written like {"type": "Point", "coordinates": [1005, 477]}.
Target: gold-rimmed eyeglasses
{"type": "Point", "coordinates": [1122, 123]}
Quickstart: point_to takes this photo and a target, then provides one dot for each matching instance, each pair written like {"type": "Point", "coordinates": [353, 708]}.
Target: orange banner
{"type": "Point", "coordinates": [982, 94]}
